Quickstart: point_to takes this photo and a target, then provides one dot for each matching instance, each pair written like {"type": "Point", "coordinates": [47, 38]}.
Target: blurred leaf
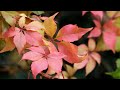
{"type": "Point", "coordinates": [118, 63]}
{"type": "Point", "coordinates": [101, 45]}
{"type": "Point", "coordinates": [38, 12]}
{"type": "Point", "coordinates": [117, 48]}
{"type": "Point", "coordinates": [8, 18]}
{"type": "Point", "coordinates": [115, 74]}
{"type": "Point", "coordinates": [9, 46]}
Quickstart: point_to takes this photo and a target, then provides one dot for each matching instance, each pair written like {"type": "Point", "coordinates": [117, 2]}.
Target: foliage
{"type": "Point", "coordinates": [50, 51]}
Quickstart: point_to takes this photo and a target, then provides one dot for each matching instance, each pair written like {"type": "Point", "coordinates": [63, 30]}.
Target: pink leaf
{"type": "Point", "coordinates": [32, 56]}
{"type": "Point", "coordinates": [10, 32]}
{"type": "Point", "coordinates": [19, 41]}
{"type": "Point", "coordinates": [37, 49]}
{"type": "Point", "coordinates": [109, 39]}
{"type": "Point", "coordinates": [90, 65]}
{"type": "Point", "coordinates": [110, 26]}
{"type": "Point", "coordinates": [55, 64]}
{"type": "Point", "coordinates": [38, 66]}
{"type": "Point", "coordinates": [83, 31]}
{"type": "Point", "coordinates": [81, 64]}
{"type": "Point", "coordinates": [33, 38]}
{"type": "Point", "coordinates": [95, 13]}
{"type": "Point", "coordinates": [96, 56]}
{"type": "Point", "coordinates": [35, 26]}
{"type": "Point", "coordinates": [96, 32]}
{"type": "Point", "coordinates": [56, 55]}
{"type": "Point", "coordinates": [98, 13]}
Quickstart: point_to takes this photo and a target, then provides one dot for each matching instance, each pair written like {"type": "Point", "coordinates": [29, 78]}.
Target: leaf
{"type": "Point", "coordinates": [33, 38]}
{"type": "Point", "coordinates": [70, 70]}
{"type": "Point", "coordinates": [115, 74]}
{"type": "Point", "coordinates": [33, 56]}
{"type": "Point", "coordinates": [10, 32]}
{"type": "Point", "coordinates": [83, 31]}
{"type": "Point", "coordinates": [91, 44]}
{"type": "Point", "coordinates": [90, 66]}
{"type": "Point", "coordinates": [95, 13]}
{"type": "Point", "coordinates": [35, 26]}
{"type": "Point", "coordinates": [55, 64]}
{"type": "Point", "coordinates": [21, 21]}
{"type": "Point", "coordinates": [96, 56]}
{"type": "Point", "coordinates": [113, 14]}
{"type": "Point", "coordinates": [9, 46]}
{"type": "Point", "coordinates": [118, 63]}
{"type": "Point", "coordinates": [81, 64]}
{"type": "Point", "coordinates": [96, 32]}
{"type": "Point", "coordinates": [82, 52]}
{"type": "Point", "coordinates": [98, 13]}
{"type": "Point", "coordinates": [50, 25]}
{"type": "Point", "coordinates": [101, 46]}
{"type": "Point", "coordinates": [37, 49]}
{"type": "Point", "coordinates": [110, 39]}
{"type": "Point", "coordinates": [38, 12]}
{"type": "Point", "coordinates": [19, 41]}
{"type": "Point", "coordinates": [110, 26]}
{"type": "Point", "coordinates": [68, 31]}
{"type": "Point", "coordinates": [117, 47]}
{"type": "Point", "coordinates": [38, 66]}
{"type": "Point", "coordinates": [8, 18]}
{"type": "Point", "coordinates": [70, 50]}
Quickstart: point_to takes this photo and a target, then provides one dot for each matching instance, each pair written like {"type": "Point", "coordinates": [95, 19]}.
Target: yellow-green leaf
{"type": "Point", "coordinates": [8, 18]}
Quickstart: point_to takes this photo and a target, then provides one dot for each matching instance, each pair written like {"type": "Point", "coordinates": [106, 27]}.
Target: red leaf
{"type": "Point", "coordinates": [68, 31]}
{"type": "Point", "coordinates": [71, 33]}
{"type": "Point", "coordinates": [109, 39]}
{"type": "Point", "coordinates": [33, 56]}
{"type": "Point", "coordinates": [19, 41]}
{"type": "Point", "coordinates": [38, 66]}
{"type": "Point", "coordinates": [70, 50]}
{"type": "Point", "coordinates": [33, 38]}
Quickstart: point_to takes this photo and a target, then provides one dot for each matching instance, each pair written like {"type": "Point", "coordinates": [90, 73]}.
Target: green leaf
{"type": "Point", "coordinates": [117, 22]}
{"type": "Point", "coordinates": [38, 12]}
{"type": "Point", "coordinates": [115, 74]}
{"type": "Point", "coordinates": [117, 47]}
{"type": "Point", "coordinates": [118, 63]}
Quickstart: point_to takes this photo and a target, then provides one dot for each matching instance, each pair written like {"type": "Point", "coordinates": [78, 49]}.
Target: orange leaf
{"type": "Point", "coordinates": [50, 25]}
{"type": "Point", "coordinates": [9, 45]}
